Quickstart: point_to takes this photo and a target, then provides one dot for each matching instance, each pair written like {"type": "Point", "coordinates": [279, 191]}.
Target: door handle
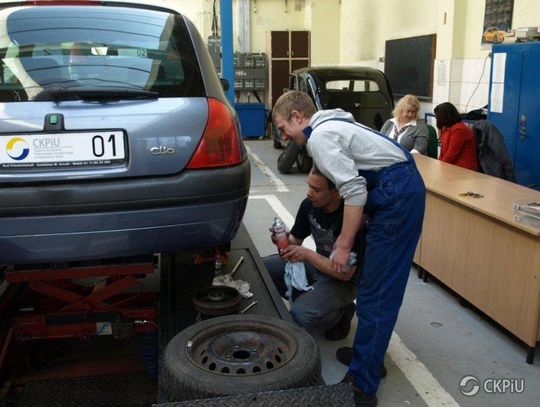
{"type": "Point", "coordinates": [522, 127]}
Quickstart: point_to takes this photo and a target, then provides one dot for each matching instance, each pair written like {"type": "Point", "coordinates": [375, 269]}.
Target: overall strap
{"type": "Point", "coordinates": [308, 130]}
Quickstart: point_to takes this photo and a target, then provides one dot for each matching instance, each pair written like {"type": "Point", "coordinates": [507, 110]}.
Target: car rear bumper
{"type": "Point", "coordinates": [57, 223]}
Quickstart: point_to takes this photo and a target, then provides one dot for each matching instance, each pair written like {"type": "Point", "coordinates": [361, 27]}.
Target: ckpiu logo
{"type": "Point", "coordinates": [471, 385]}
{"type": "Point", "coordinates": [17, 148]}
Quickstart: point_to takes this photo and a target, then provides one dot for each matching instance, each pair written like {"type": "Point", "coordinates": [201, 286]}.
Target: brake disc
{"type": "Point", "coordinates": [217, 300]}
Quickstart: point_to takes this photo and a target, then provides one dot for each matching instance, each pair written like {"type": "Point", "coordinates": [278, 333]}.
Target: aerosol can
{"type": "Point", "coordinates": [280, 232]}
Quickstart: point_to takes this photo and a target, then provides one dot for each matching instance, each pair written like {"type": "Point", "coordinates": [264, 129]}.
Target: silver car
{"type": "Point", "coordinates": [116, 138]}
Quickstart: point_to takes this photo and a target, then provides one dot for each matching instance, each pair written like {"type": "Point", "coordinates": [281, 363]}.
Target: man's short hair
{"type": "Point", "coordinates": [316, 171]}
{"type": "Point", "coordinates": [293, 100]}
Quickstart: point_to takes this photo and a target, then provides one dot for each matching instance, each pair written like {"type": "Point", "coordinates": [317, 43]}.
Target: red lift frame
{"type": "Point", "coordinates": [83, 308]}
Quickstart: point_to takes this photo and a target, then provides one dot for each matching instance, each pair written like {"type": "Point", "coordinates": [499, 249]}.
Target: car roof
{"type": "Point", "coordinates": [326, 73]}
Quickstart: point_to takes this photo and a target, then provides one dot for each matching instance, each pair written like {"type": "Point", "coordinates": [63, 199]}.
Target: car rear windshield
{"type": "Point", "coordinates": [95, 47]}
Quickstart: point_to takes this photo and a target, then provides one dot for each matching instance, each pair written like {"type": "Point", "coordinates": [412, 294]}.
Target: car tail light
{"type": "Point", "coordinates": [220, 143]}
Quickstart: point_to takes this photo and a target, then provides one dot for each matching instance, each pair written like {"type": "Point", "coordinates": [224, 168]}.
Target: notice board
{"type": "Point", "coordinates": [408, 65]}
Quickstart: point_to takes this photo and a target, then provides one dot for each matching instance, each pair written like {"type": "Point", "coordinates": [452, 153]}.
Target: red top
{"type": "Point", "coordinates": [458, 146]}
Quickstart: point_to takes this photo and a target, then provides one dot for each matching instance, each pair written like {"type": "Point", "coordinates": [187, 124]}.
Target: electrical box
{"type": "Point", "coordinates": [250, 71]}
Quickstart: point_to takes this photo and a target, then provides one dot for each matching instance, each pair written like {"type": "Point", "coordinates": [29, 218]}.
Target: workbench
{"type": "Point", "coordinates": [475, 247]}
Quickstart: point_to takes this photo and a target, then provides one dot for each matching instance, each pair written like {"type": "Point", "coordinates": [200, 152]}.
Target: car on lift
{"type": "Point", "coordinates": [362, 91]}
{"type": "Point", "coordinates": [116, 138]}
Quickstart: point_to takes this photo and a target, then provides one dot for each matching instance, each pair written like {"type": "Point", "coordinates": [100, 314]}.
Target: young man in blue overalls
{"type": "Point", "coordinates": [376, 176]}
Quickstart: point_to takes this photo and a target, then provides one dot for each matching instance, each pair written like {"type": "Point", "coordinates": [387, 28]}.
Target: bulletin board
{"type": "Point", "coordinates": [408, 65]}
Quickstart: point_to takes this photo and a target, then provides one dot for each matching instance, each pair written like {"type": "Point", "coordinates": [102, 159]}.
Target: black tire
{"type": "Point", "coordinates": [287, 158]}
{"type": "Point", "coordinates": [276, 137]}
{"type": "Point", "coordinates": [239, 354]}
{"type": "Point", "coordinates": [304, 162]}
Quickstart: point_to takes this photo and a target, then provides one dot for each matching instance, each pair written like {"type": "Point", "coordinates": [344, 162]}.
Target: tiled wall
{"type": "Point", "coordinates": [463, 82]}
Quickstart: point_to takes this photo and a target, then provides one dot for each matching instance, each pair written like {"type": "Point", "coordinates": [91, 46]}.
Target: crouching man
{"type": "Point", "coordinates": [327, 302]}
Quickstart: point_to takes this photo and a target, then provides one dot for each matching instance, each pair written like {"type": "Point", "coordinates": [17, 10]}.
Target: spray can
{"type": "Point", "coordinates": [280, 232]}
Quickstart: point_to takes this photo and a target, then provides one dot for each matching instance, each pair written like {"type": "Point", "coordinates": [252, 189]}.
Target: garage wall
{"type": "Point", "coordinates": [353, 32]}
{"type": "Point", "coordinates": [462, 75]}
{"type": "Point", "coordinates": [324, 22]}
{"type": "Point", "coordinates": [367, 24]}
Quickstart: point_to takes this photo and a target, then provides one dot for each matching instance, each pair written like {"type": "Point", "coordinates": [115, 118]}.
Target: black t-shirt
{"type": "Point", "coordinates": [333, 220]}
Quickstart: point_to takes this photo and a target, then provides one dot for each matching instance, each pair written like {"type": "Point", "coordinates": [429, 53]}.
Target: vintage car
{"type": "Point", "coordinates": [362, 91]}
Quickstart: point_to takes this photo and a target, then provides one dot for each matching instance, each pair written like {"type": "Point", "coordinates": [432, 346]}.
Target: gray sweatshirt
{"type": "Point", "coordinates": [340, 148]}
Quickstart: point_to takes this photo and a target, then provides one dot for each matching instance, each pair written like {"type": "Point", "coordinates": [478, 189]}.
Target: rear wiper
{"type": "Point", "coordinates": [96, 94]}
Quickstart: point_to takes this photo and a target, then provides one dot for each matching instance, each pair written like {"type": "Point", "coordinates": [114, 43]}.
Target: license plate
{"type": "Point", "coordinates": [55, 150]}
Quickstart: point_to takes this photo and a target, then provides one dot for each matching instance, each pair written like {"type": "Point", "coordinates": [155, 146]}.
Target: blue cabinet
{"type": "Point", "coordinates": [514, 105]}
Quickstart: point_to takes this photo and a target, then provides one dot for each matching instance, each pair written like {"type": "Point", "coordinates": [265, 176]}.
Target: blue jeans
{"type": "Point", "coordinates": [321, 307]}
{"type": "Point", "coordinates": [396, 202]}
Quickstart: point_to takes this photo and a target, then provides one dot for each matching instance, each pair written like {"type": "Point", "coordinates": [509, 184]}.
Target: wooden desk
{"type": "Point", "coordinates": [475, 247]}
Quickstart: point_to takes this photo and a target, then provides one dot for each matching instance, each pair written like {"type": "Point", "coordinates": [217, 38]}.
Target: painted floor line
{"type": "Point", "coordinates": [414, 371]}
{"type": "Point", "coordinates": [274, 179]}
{"type": "Point", "coordinates": [418, 375]}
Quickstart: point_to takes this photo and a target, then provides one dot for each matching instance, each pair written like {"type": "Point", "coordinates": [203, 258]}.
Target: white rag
{"type": "Point", "coordinates": [295, 276]}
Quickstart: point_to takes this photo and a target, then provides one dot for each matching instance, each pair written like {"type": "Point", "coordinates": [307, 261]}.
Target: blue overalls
{"type": "Point", "coordinates": [395, 204]}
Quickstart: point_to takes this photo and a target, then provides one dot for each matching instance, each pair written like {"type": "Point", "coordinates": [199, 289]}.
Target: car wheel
{"type": "Point", "coordinates": [276, 136]}
{"type": "Point", "coordinates": [304, 162]}
{"type": "Point", "coordinates": [287, 158]}
{"type": "Point", "coordinates": [239, 354]}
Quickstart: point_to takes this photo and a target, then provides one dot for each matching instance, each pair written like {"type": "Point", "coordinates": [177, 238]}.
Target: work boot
{"type": "Point", "coordinates": [362, 399]}
{"type": "Point", "coordinates": [344, 355]}
{"type": "Point", "coordinates": [342, 328]}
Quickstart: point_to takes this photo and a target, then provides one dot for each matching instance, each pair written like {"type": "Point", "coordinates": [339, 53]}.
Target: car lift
{"type": "Point", "coordinates": [57, 303]}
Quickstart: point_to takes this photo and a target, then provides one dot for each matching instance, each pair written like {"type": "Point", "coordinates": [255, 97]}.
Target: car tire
{"type": "Point", "coordinates": [288, 157]}
{"type": "Point", "coordinates": [239, 354]}
{"type": "Point", "coordinates": [304, 162]}
{"type": "Point", "coordinates": [276, 137]}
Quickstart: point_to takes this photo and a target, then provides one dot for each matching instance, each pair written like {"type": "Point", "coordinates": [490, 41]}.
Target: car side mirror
{"type": "Point", "coordinates": [285, 90]}
{"type": "Point", "coordinates": [224, 84]}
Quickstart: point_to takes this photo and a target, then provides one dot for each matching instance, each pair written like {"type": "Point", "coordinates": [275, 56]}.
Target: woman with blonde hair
{"type": "Point", "coordinates": [405, 127]}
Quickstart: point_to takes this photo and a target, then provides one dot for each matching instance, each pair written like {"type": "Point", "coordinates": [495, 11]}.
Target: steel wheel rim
{"type": "Point", "coordinates": [241, 349]}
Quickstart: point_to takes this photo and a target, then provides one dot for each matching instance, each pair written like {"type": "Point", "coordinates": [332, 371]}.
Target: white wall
{"type": "Point", "coordinates": [353, 32]}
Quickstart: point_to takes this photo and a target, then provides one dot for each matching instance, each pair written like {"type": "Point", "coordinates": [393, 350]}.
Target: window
{"type": "Point", "coordinates": [67, 51]}
{"type": "Point", "coordinates": [354, 85]}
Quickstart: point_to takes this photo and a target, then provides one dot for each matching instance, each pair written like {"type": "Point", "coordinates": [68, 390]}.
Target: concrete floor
{"type": "Point", "coordinates": [437, 342]}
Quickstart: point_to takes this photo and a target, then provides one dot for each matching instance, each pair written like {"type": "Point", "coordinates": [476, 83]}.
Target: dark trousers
{"type": "Point", "coordinates": [396, 201]}
{"type": "Point", "coordinates": [321, 307]}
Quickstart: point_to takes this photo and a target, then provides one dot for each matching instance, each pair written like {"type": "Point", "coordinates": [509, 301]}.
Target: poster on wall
{"type": "Point", "coordinates": [497, 22]}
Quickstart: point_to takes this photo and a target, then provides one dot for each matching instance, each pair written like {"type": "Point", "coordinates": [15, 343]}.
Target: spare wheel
{"type": "Point", "coordinates": [238, 354]}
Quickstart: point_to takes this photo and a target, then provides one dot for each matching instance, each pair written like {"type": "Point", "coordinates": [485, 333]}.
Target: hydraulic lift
{"type": "Point", "coordinates": [91, 332]}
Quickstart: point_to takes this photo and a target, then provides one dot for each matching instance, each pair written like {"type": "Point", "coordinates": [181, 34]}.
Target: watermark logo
{"type": "Point", "coordinates": [471, 385]}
